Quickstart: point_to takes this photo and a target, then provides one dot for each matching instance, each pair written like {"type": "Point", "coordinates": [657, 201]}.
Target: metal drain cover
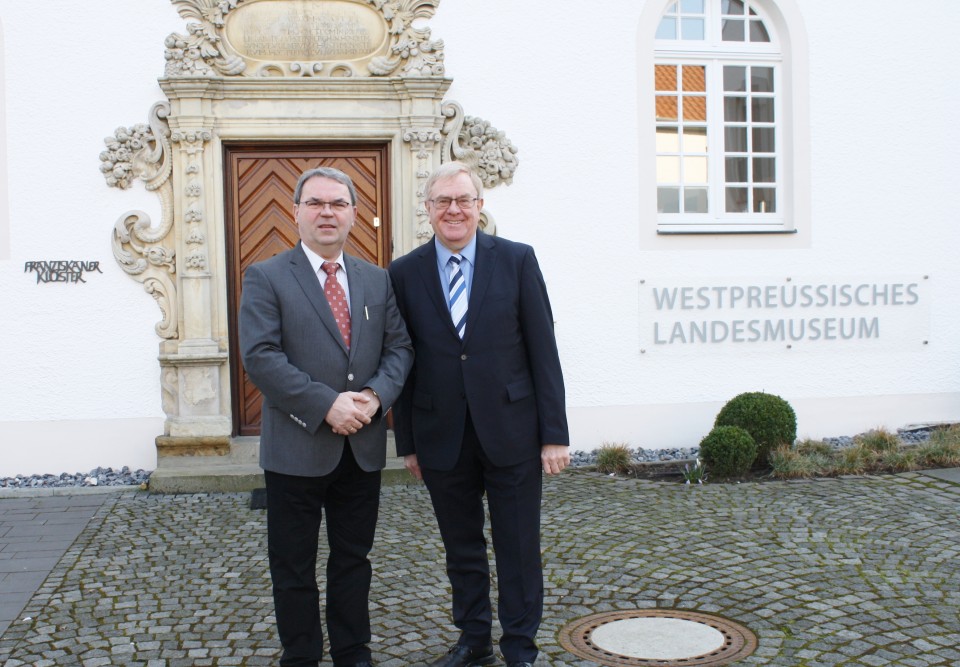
{"type": "Point", "coordinates": [658, 637]}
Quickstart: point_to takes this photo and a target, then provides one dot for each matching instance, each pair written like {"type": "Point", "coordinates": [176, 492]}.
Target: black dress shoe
{"type": "Point", "coordinates": [519, 664]}
{"type": "Point", "coordinates": [466, 656]}
{"type": "Point", "coordinates": [360, 664]}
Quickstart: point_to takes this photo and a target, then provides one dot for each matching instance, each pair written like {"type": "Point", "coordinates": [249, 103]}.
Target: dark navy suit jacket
{"type": "Point", "coordinates": [506, 370]}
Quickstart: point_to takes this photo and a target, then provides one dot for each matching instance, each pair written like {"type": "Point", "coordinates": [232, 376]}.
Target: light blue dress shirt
{"type": "Point", "coordinates": [469, 255]}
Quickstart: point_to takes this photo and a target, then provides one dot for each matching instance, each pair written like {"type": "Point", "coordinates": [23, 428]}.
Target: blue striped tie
{"type": "Point", "coordinates": [458, 295]}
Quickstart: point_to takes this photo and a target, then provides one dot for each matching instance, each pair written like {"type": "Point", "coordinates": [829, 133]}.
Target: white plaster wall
{"type": "Point", "coordinates": [562, 83]}
{"type": "Point", "coordinates": [80, 378]}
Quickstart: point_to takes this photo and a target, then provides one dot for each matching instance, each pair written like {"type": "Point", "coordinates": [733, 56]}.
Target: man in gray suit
{"type": "Point", "coordinates": [321, 337]}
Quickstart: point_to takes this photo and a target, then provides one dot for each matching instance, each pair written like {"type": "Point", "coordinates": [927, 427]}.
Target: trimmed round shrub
{"type": "Point", "coordinates": [768, 419]}
{"type": "Point", "coordinates": [728, 451]}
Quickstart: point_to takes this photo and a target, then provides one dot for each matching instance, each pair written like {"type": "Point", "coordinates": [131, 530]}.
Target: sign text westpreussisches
{"type": "Point", "coordinates": [791, 312]}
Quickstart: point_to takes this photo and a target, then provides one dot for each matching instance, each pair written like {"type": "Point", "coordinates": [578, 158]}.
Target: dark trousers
{"type": "Point", "coordinates": [513, 497]}
{"type": "Point", "coordinates": [295, 505]}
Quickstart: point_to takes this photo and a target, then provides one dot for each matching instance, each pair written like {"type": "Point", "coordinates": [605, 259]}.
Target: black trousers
{"type": "Point", "coordinates": [513, 497]}
{"type": "Point", "coordinates": [295, 506]}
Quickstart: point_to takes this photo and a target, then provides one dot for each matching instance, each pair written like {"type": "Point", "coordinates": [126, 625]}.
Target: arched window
{"type": "Point", "coordinates": [724, 119]}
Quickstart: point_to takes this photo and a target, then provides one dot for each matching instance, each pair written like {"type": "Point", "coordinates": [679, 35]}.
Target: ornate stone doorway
{"type": "Point", "coordinates": [259, 181]}
{"type": "Point", "coordinates": [363, 74]}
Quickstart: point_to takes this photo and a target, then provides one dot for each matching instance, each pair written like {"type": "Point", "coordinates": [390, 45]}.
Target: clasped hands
{"type": "Point", "coordinates": [352, 411]}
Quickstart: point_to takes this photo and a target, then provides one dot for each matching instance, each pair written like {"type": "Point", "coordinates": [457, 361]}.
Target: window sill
{"type": "Point", "coordinates": [681, 230]}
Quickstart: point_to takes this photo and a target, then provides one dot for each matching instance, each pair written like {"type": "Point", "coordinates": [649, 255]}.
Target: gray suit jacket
{"type": "Point", "coordinates": [293, 352]}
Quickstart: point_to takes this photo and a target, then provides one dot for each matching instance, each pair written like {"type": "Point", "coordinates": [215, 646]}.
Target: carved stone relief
{"type": "Point", "coordinates": [331, 38]}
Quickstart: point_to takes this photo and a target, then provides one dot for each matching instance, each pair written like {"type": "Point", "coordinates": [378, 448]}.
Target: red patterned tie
{"type": "Point", "coordinates": [337, 299]}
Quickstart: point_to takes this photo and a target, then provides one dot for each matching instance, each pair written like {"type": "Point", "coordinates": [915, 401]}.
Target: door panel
{"type": "Point", "coordinates": [260, 180]}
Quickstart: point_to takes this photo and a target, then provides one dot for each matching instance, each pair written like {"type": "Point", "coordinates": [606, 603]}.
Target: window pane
{"type": "Point", "coordinates": [667, 108]}
{"type": "Point", "coordinates": [695, 169]}
{"type": "Point", "coordinates": [694, 108]}
{"type": "Point", "coordinates": [736, 170]}
{"type": "Point", "coordinates": [691, 6]}
{"type": "Point", "coordinates": [762, 110]}
{"type": "Point", "coordinates": [735, 139]}
{"type": "Point", "coordinates": [694, 139]}
{"type": "Point", "coordinates": [764, 170]}
{"type": "Point", "coordinates": [732, 30]}
{"type": "Point", "coordinates": [735, 109]}
{"type": "Point", "coordinates": [691, 29]}
{"type": "Point", "coordinates": [758, 32]}
{"type": "Point", "coordinates": [668, 140]}
{"type": "Point", "coordinates": [668, 200]}
{"type": "Point", "coordinates": [695, 200]}
{"type": "Point", "coordinates": [736, 200]}
{"type": "Point", "coordinates": [665, 77]}
{"type": "Point", "coordinates": [667, 28]}
{"type": "Point", "coordinates": [764, 200]}
{"type": "Point", "coordinates": [735, 79]}
{"type": "Point", "coordinates": [668, 169]}
{"type": "Point", "coordinates": [694, 79]}
{"type": "Point", "coordinates": [761, 79]}
{"type": "Point", "coordinates": [732, 7]}
{"type": "Point", "coordinates": [763, 140]}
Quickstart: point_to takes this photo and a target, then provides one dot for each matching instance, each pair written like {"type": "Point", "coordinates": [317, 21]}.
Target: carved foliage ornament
{"type": "Point", "coordinates": [143, 152]}
{"type": "Point", "coordinates": [325, 50]}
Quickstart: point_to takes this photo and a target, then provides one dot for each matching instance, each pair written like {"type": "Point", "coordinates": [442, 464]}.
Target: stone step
{"type": "Point", "coordinates": [238, 471]}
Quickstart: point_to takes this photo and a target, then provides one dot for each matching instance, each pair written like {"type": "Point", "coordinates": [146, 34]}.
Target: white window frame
{"type": "Point", "coordinates": [792, 154]}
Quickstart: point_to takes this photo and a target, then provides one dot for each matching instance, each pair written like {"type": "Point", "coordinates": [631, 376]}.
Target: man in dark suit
{"type": "Point", "coordinates": [482, 412]}
{"type": "Point", "coordinates": [322, 339]}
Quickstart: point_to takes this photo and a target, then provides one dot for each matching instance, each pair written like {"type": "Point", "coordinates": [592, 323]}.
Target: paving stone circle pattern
{"type": "Point", "coordinates": [852, 572]}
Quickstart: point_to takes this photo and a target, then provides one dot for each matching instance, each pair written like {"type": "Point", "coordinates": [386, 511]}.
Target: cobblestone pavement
{"type": "Point", "coordinates": [858, 571]}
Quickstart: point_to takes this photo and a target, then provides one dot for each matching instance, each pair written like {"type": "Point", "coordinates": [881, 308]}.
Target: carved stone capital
{"type": "Point", "coordinates": [191, 140]}
{"type": "Point", "coordinates": [422, 139]}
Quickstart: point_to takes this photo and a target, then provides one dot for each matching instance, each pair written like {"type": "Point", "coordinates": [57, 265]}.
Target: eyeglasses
{"type": "Point", "coordinates": [338, 205]}
{"type": "Point", "coordinates": [443, 203]}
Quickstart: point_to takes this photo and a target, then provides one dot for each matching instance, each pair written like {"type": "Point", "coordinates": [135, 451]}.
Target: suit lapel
{"type": "Point", "coordinates": [427, 264]}
{"type": "Point", "coordinates": [483, 270]}
{"type": "Point", "coordinates": [357, 301]}
{"type": "Point", "coordinates": [310, 284]}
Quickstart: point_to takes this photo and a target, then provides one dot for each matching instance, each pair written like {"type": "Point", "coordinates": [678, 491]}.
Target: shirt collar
{"type": "Point", "coordinates": [316, 261]}
{"type": "Point", "coordinates": [468, 253]}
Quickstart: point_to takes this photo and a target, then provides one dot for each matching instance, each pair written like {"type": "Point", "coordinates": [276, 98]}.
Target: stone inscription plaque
{"type": "Point", "coordinates": [315, 30]}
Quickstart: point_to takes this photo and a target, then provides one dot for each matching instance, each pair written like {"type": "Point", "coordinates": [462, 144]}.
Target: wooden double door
{"type": "Point", "coordinates": [259, 184]}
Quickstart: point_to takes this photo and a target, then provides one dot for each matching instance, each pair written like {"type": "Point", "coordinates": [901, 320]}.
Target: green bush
{"type": "Point", "coordinates": [768, 419]}
{"type": "Point", "coordinates": [728, 451]}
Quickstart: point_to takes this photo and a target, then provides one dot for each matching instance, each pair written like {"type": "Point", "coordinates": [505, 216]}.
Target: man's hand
{"type": "Point", "coordinates": [410, 461]}
{"type": "Point", "coordinates": [346, 416]}
{"type": "Point", "coordinates": [554, 458]}
{"type": "Point", "coordinates": [371, 405]}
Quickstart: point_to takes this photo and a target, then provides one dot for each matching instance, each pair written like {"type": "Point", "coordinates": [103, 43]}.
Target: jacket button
{"type": "Point", "coordinates": [350, 377]}
{"type": "Point", "coordinates": [463, 357]}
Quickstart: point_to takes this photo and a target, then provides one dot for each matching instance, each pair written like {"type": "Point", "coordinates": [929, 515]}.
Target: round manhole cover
{"type": "Point", "coordinates": [661, 637]}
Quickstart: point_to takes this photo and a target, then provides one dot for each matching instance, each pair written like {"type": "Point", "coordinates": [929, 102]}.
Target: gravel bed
{"type": "Point", "coordinates": [96, 477]}
{"type": "Point", "coordinates": [127, 477]}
